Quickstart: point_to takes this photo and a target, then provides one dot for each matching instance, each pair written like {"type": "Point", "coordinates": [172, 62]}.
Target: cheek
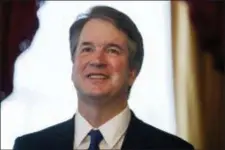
{"type": "Point", "coordinates": [120, 67]}
{"type": "Point", "coordinates": [79, 64]}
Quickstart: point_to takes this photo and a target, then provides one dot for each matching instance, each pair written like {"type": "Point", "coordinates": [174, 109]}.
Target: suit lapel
{"type": "Point", "coordinates": [136, 137]}
{"type": "Point", "coordinates": [131, 140]}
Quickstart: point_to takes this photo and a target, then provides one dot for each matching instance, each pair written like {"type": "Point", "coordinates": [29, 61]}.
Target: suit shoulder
{"type": "Point", "coordinates": [164, 139]}
{"type": "Point", "coordinates": [47, 130]}
{"type": "Point", "coordinates": [41, 137]}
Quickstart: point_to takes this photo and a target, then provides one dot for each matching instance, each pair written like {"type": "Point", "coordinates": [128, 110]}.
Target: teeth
{"type": "Point", "coordinates": [97, 76]}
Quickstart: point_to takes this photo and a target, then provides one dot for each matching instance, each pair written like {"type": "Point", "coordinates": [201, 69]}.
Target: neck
{"type": "Point", "coordinates": [99, 113]}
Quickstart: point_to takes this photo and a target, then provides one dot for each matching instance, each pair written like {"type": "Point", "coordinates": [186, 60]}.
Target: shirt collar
{"type": "Point", "coordinates": [112, 130]}
{"type": "Point", "coordinates": [82, 128]}
{"type": "Point", "coordinates": [115, 128]}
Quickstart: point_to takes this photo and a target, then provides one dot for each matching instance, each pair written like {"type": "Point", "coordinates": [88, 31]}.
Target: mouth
{"type": "Point", "coordinates": [98, 76]}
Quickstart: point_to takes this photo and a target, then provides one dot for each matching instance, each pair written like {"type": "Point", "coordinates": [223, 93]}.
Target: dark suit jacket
{"type": "Point", "coordinates": [139, 135]}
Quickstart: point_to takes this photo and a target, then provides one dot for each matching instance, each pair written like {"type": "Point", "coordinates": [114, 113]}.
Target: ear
{"type": "Point", "coordinates": [132, 76]}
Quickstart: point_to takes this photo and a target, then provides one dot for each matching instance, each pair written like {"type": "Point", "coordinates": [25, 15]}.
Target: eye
{"type": "Point", "coordinates": [113, 50]}
{"type": "Point", "coordinates": [86, 49]}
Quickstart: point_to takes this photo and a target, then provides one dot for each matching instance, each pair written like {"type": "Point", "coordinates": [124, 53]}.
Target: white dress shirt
{"type": "Point", "coordinates": [113, 131]}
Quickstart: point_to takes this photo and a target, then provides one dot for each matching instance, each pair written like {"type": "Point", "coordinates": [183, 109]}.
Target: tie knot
{"type": "Point", "coordinates": [96, 138]}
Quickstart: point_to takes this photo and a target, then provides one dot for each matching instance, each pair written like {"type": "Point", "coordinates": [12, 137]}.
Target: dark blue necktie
{"type": "Point", "coordinates": [96, 138]}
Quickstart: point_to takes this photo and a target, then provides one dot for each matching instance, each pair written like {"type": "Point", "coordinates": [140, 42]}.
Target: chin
{"type": "Point", "coordinates": [97, 94]}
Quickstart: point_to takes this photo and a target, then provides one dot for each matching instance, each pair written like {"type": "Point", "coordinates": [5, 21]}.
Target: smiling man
{"type": "Point", "coordinates": [107, 54]}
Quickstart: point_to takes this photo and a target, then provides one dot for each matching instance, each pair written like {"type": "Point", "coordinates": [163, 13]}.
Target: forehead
{"type": "Point", "coordinates": [102, 31]}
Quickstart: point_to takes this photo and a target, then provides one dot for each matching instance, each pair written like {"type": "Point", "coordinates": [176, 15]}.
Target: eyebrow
{"type": "Point", "coordinates": [107, 45]}
{"type": "Point", "coordinates": [86, 44]}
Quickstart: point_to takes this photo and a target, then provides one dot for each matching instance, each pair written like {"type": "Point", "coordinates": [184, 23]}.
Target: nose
{"type": "Point", "coordinates": [98, 59]}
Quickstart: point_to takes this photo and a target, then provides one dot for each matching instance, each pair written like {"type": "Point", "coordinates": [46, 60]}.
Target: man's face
{"type": "Point", "coordinates": [100, 67]}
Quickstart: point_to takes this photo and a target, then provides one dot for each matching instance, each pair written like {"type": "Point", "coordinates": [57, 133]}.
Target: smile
{"type": "Point", "coordinates": [97, 76]}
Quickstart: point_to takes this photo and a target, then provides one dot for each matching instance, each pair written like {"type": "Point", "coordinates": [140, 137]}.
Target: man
{"type": "Point", "coordinates": [107, 54]}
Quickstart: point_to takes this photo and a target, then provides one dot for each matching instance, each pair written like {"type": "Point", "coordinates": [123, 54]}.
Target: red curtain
{"type": "Point", "coordinates": [208, 19]}
{"type": "Point", "coordinates": [20, 23]}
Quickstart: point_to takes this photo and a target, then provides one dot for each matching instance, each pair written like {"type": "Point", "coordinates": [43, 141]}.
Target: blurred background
{"type": "Point", "coordinates": [180, 89]}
